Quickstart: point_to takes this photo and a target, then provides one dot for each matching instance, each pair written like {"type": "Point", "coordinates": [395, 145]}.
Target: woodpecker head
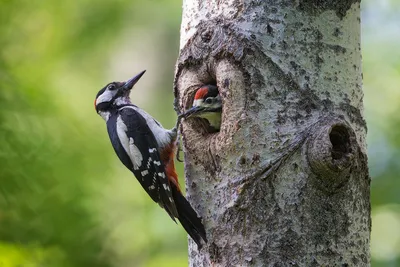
{"type": "Point", "coordinates": [207, 104]}
{"type": "Point", "coordinates": [114, 94]}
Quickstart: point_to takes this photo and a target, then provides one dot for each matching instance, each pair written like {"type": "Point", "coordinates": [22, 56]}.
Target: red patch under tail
{"type": "Point", "coordinates": [167, 157]}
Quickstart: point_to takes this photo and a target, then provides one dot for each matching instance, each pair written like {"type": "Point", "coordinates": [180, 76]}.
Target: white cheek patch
{"type": "Point", "coordinates": [197, 102]}
{"type": "Point", "coordinates": [106, 96]}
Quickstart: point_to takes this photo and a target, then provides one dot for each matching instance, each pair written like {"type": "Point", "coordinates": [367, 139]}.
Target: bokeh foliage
{"type": "Point", "coordinates": [65, 200]}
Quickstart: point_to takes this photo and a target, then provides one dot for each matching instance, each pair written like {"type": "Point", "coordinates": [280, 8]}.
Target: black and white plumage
{"type": "Point", "coordinates": [147, 149]}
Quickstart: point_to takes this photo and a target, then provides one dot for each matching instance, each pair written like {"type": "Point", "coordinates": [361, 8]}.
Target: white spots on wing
{"type": "Point", "coordinates": [145, 172]}
{"type": "Point", "coordinates": [161, 174]}
{"type": "Point", "coordinates": [149, 163]}
{"type": "Point", "coordinates": [166, 187]}
{"type": "Point", "coordinates": [128, 144]}
{"type": "Point", "coordinates": [170, 199]}
{"type": "Point", "coordinates": [156, 162]}
{"type": "Point", "coordinates": [152, 150]}
{"type": "Point", "coordinates": [152, 187]}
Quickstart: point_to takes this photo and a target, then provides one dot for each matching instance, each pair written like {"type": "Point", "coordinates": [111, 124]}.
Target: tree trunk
{"type": "Point", "coordinates": [285, 182]}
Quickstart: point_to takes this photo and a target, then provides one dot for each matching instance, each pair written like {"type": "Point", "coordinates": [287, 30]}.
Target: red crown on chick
{"type": "Point", "coordinates": [203, 91]}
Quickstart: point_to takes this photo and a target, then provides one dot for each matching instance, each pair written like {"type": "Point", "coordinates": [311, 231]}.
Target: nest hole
{"type": "Point", "coordinates": [340, 140]}
{"type": "Point", "coordinates": [204, 123]}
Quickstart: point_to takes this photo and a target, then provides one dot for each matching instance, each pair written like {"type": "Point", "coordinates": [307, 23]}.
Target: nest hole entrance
{"type": "Point", "coordinates": [340, 140]}
{"type": "Point", "coordinates": [209, 120]}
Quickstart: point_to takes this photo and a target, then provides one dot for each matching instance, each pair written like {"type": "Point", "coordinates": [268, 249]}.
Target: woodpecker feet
{"type": "Point", "coordinates": [178, 136]}
{"type": "Point", "coordinates": [178, 152]}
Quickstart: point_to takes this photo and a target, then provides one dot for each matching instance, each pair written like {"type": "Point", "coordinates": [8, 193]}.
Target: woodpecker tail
{"type": "Point", "coordinates": [186, 215]}
{"type": "Point", "coordinates": [188, 218]}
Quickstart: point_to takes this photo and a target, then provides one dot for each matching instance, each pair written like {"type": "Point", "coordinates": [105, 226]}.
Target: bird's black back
{"type": "Point", "coordinates": [153, 183]}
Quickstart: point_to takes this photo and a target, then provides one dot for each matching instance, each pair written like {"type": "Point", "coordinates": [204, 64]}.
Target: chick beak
{"type": "Point", "coordinates": [194, 111]}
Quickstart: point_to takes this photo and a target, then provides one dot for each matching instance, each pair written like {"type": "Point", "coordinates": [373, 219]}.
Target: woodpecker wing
{"type": "Point", "coordinates": [137, 148]}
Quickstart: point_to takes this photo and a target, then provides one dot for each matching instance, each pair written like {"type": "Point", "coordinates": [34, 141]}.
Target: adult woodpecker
{"type": "Point", "coordinates": [207, 104]}
{"type": "Point", "coordinates": [147, 150]}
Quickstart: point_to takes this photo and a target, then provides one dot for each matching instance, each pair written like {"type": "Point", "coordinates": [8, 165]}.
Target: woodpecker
{"type": "Point", "coordinates": [147, 150]}
{"type": "Point", "coordinates": [207, 104]}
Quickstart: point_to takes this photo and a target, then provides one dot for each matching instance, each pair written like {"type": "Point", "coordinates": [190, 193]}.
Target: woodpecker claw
{"type": "Point", "coordinates": [179, 141]}
{"type": "Point", "coordinates": [178, 120]}
{"type": "Point", "coordinates": [178, 138]}
{"type": "Point", "coordinates": [178, 150]}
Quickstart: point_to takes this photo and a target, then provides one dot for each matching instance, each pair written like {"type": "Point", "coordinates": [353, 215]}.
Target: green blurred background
{"type": "Point", "coordinates": [65, 200]}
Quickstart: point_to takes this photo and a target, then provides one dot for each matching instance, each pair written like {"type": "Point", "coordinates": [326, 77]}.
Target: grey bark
{"type": "Point", "coordinates": [285, 182]}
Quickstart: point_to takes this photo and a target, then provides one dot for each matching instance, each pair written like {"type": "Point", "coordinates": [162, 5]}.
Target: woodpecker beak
{"type": "Point", "coordinates": [131, 82]}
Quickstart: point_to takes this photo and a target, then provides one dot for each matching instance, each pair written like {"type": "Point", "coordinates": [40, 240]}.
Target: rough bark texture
{"type": "Point", "coordinates": [285, 182]}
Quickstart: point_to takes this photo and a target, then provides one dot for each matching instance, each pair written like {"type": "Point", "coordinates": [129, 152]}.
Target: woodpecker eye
{"type": "Point", "coordinates": [209, 100]}
{"type": "Point", "coordinates": [111, 86]}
